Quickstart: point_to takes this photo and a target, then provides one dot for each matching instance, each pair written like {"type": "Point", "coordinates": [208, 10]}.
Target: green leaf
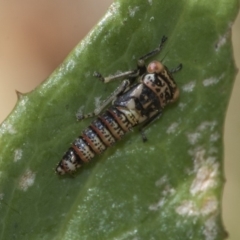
{"type": "Point", "coordinates": [167, 188]}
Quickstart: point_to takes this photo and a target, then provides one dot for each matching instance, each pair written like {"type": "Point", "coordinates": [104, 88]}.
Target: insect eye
{"type": "Point", "coordinates": [155, 67]}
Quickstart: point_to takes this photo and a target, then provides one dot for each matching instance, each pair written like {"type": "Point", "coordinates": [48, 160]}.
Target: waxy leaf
{"type": "Point", "coordinates": [167, 188]}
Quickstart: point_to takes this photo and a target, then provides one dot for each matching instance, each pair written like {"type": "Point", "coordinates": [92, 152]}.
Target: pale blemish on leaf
{"type": "Point", "coordinates": [161, 181]}
{"type": "Point", "coordinates": [166, 191]}
{"type": "Point", "coordinates": [8, 128]}
{"type": "Point", "coordinates": [207, 124]}
{"type": "Point", "coordinates": [133, 10]}
{"type": "Point", "coordinates": [214, 137]}
{"type": "Point", "coordinates": [191, 208]}
{"type": "Point", "coordinates": [193, 137]}
{"type": "Point", "coordinates": [129, 234]}
{"type": "Point", "coordinates": [210, 228]}
{"type": "Point", "coordinates": [182, 105]}
{"type": "Point", "coordinates": [151, 19]}
{"type": "Point", "coordinates": [70, 65]}
{"type": "Point", "coordinates": [223, 39]}
{"type": "Point", "coordinates": [114, 8]}
{"type": "Point", "coordinates": [26, 180]}
{"type": "Point", "coordinates": [188, 208]}
{"type": "Point", "coordinates": [189, 86]}
{"type": "Point", "coordinates": [97, 101]}
{"type": "Point", "coordinates": [212, 81]}
{"type": "Point", "coordinates": [172, 128]}
{"type": "Point", "coordinates": [79, 112]}
{"type": "Point", "coordinates": [207, 171]}
{"type": "Point", "coordinates": [112, 12]}
{"type": "Point", "coordinates": [210, 206]}
{"type": "Point", "coordinates": [17, 155]}
{"type": "Point", "coordinates": [150, 2]}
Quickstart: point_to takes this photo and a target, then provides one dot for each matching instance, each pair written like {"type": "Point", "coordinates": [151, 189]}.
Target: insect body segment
{"type": "Point", "coordinates": [101, 134]}
{"type": "Point", "coordinates": [139, 100]}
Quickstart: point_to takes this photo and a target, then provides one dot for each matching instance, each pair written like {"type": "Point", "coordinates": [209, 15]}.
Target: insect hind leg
{"type": "Point", "coordinates": [120, 89]}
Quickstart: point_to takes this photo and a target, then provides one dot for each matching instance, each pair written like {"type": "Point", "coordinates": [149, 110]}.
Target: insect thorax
{"type": "Point", "coordinates": [148, 96]}
{"type": "Point", "coordinates": [163, 85]}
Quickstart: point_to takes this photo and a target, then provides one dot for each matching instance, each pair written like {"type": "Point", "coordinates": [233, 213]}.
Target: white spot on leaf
{"type": "Point", "coordinates": [214, 137]}
{"type": "Point", "coordinates": [79, 113]}
{"type": "Point", "coordinates": [190, 208]}
{"type": "Point", "coordinates": [212, 81]}
{"type": "Point", "coordinates": [151, 19]}
{"type": "Point", "coordinates": [193, 137]}
{"type": "Point", "coordinates": [221, 42]}
{"type": "Point", "coordinates": [156, 206]}
{"type": "Point", "coordinates": [26, 180]}
{"type": "Point", "coordinates": [187, 208]}
{"type": "Point", "coordinates": [206, 170]}
{"type": "Point", "coordinates": [189, 86]}
{"type": "Point", "coordinates": [114, 8]}
{"type": "Point", "coordinates": [8, 128]}
{"type": "Point", "coordinates": [223, 39]}
{"type": "Point", "coordinates": [172, 128]}
{"type": "Point", "coordinates": [210, 228]}
{"type": "Point", "coordinates": [207, 124]}
{"type": "Point", "coordinates": [166, 192]}
{"type": "Point", "coordinates": [161, 181]}
{"type": "Point", "coordinates": [132, 11]}
{"type": "Point", "coordinates": [97, 101]}
{"type": "Point", "coordinates": [182, 106]}
{"type": "Point", "coordinates": [17, 155]}
{"type": "Point", "coordinates": [69, 65]}
{"type": "Point", "coordinates": [210, 206]}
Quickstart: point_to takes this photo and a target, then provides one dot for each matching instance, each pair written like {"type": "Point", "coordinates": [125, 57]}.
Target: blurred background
{"type": "Point", "coordinates": [36, 36]}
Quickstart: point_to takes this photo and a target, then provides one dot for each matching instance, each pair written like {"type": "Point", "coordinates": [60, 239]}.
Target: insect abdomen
{"type": "Point", "coordinates": [101, 134]}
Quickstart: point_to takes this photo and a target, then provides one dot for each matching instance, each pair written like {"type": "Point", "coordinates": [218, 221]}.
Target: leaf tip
{"type": "Point", "coordinates": [19, 95]}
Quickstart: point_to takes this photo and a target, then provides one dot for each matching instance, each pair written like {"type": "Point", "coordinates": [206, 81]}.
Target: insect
{"type": "Point", "coordinates": [138, 100]}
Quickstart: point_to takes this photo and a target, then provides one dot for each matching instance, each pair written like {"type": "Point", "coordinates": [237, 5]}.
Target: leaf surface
{"type": "Point", "coordinates": [167, 188]}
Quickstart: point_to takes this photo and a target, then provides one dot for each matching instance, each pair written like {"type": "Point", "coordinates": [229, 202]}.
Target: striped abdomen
{"type": "Point", "coordinates": [101, 134]}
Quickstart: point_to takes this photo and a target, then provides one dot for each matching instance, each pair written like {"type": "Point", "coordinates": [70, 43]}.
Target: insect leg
{"type": "Point", "coordinates": [152, 53]}
{"type": "Point", "coordinates": [120, 89]}
{"type": "Point", "coordinates": [176, 69]}
{"type": "Point", "coordinates": [126, 74]}
{"type": "Point", "coordinates": [146, 123]}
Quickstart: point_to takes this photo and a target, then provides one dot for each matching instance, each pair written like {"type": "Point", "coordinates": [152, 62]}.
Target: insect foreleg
{"type": "Point", "coordinates": [152, 53]}
{"type": "Point", "coordinates": [120, 89]}
{"type": "Point", "coordinates": [146, 123]}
